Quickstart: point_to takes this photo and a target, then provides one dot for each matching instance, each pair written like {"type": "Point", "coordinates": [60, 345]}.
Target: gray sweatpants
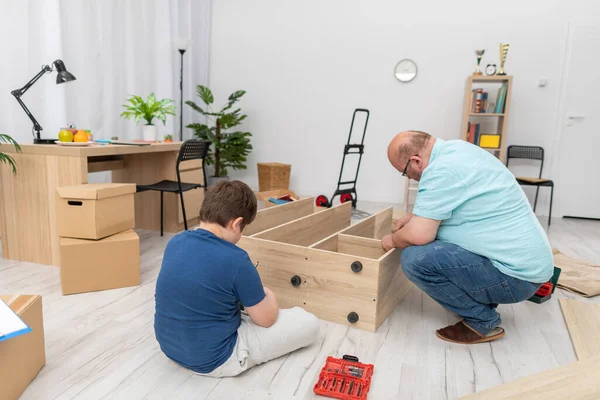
{"type": "Point", "coordinates": [295, 328]}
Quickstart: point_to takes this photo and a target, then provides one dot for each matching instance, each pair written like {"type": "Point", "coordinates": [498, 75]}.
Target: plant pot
{"type": "Point", "coordinates": [213, 180]}
{"type": "Point", "coordinates": [149, 133]}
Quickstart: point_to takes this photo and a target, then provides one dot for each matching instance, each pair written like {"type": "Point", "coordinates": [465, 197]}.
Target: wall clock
{"type": "Point", "coordinates": [405, 70]}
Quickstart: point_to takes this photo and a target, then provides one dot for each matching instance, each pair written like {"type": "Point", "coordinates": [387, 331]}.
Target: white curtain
{"type": "Point", "coordinates": [114, 48]}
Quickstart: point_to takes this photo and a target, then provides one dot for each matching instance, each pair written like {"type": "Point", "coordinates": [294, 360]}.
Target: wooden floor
{"type": "Point", "coordinates": [102, 345]}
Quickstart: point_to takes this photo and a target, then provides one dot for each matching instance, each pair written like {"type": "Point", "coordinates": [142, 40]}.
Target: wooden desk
{"type": "Point", "coordinates": [27, 214]}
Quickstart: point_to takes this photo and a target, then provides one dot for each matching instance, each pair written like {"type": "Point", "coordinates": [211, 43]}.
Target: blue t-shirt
{"type": "Point", "coordinates": [202, 282]}
{"type": "Point", "coordinates": [483, 210]}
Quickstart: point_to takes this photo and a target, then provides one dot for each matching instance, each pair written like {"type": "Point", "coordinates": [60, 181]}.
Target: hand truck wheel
{"type": "Point", "coordinates": [321, 201]}
{"type": "Point", "coordinates": [345, 198]}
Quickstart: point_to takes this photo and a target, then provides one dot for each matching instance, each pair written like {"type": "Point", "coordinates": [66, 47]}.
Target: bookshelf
{"type": "Point", "coordinates": [482, 113]}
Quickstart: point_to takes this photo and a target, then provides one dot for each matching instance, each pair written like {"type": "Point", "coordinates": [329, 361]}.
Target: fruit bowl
{"type": "Point", "coordinates": [77, 144]}
{"type": "Point", "coordinates": [68, 135]}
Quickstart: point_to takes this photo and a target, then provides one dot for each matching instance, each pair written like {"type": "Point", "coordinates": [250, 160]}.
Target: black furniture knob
{"type": "Point", "coordinates": [296, 280]}
{"type": "Point", "coordinates": [356, 266]}
{"type": "Point", "coordinates": [353, 317]}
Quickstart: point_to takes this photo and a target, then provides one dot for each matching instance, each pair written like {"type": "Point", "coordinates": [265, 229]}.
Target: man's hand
{"type": "Point", "coordinates": [400, 223]}
{"type": "Point", "coordinates": [386, 243]}
{"type": "Point", "coordinates": [418, 231]}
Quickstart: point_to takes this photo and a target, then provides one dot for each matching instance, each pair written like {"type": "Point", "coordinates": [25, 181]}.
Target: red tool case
{"type": "Point", "coordinates": [344, 378]}
{"type": "Point", "coordinates": [545, 289]}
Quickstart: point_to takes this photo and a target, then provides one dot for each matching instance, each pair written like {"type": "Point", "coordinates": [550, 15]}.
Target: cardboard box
{"type": "Point", "coordinates": [92, 265]}
{"type": "Point", "coordinates": [94, 211]}
{"type": "Point", "coordinates": [266, 195]}
{"type": "Point", "coordinates": [22, 357]}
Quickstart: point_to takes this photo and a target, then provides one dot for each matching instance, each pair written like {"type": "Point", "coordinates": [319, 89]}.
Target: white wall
{"type": "Point", "coordinates": [307, 65]}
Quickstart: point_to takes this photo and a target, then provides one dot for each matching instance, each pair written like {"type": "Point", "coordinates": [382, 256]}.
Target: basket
{"type": "Point", "coordinates": [273, 176]}
{"type": "Point", "coordinates": [266, 196]}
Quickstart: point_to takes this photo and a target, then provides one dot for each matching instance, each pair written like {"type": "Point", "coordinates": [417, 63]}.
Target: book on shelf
{"type": "Point", "coordinates": [485, 140]}
{"type": "Point", "coordinates": [501, 98]}
{"type": "Point", "coordinates": [473, 133]}
{"type": "Point", "coordinates": [480, 103]}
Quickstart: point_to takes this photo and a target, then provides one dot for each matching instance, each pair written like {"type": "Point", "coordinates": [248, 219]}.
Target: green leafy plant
{"type": "Point", "coordinates": [148, 109]}
{"type": "Point", "coordinates": [5, 158]}
{"type": "Point", "coordinates": [230, 148]}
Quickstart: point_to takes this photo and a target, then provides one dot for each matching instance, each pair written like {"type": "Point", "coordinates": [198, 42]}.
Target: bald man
{"type": "Point", "coordinates": [472, 241]}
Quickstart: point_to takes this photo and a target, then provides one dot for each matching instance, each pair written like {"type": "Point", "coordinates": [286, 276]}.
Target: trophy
{"type": "Point", "coordinates": [479, 54]}
{"type": "Point", "coordinates": [503, 53]}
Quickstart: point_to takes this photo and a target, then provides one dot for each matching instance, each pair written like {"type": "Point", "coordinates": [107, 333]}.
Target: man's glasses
{"type": "Point", "coordinates": [407, 164]}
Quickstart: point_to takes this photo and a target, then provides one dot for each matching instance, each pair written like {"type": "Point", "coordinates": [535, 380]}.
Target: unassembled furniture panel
{"type": "Point", "coordinates": [575, 381]}
{"type": "Point", "coordinates": [583, 322]}
{"type": "Point", "coordinates": [316, 259]}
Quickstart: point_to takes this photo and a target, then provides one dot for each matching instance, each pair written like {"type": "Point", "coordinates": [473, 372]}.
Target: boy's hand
{"type": "Point", "coordinates": [265, 313]}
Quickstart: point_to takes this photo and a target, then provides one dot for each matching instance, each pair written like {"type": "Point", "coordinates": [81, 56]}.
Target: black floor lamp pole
{"type": "Point", "coordinates": [181, 51]}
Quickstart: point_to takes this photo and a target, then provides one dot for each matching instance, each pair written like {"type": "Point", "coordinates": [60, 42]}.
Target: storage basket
{"type": "Point", "coordinates": [272, 176]}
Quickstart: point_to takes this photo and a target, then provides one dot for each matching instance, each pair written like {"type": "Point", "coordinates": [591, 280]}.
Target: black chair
{"type": "Point", "coordinates": [532, 153]}
{"type": "Point", "coordinates": [192, 149]}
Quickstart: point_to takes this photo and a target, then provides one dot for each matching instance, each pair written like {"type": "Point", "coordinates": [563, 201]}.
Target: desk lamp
{"type": "Point", "coordinates": [62, 76]}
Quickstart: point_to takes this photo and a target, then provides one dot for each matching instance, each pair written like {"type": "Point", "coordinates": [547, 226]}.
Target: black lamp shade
{"type": "Point", "coordinates": [62, 74]}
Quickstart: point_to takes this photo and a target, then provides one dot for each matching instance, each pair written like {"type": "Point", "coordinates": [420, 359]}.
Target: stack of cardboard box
{"type": "Point", "coordinates": [98, 248]}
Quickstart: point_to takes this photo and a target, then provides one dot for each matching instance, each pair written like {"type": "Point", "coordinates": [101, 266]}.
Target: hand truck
{"type": "Point", "coordinates": [348, 194]}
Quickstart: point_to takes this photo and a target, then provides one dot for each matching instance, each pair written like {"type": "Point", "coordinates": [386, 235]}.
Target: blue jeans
{"type": "Point", "coordinates": [463, 282]}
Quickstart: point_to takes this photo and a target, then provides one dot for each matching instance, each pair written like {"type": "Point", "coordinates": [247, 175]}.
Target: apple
{"type": "Point", "coordinates": [65, 136]}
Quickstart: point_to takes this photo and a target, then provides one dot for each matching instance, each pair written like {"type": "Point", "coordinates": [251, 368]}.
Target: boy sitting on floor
{"type": "Point", "coordinates": [202, 282]}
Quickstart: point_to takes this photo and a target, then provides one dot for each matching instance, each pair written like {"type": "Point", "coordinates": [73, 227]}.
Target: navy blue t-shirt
{"type": "Point", "coordinates": [202, 281]}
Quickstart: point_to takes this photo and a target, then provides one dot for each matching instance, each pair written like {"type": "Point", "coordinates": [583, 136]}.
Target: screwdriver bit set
{"type": "Point", "coordinates": [344, 378]}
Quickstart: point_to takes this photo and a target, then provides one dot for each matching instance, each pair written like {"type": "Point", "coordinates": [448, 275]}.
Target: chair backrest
{"type": "Point", "coordinates": [526, 152]}
{"type": "Point", "coordinates": [193, 149]}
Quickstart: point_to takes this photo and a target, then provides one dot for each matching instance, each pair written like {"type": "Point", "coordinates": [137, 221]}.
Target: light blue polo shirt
{"type": "Point", "coordinates": [483, 210]}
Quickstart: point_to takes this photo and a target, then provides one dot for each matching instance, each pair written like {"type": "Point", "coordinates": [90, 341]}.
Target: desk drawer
{"type": "Point", "coordinates": [105, 163]}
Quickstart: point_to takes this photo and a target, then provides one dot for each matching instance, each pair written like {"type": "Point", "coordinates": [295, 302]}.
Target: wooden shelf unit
{"type": "Point", "coordinates": [469, 116]}
{"type": "Point", "coordinates": [319, 260]}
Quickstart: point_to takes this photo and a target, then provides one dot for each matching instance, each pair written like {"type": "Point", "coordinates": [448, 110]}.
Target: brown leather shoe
{"type": "Point", "coordinates": [462, 333]}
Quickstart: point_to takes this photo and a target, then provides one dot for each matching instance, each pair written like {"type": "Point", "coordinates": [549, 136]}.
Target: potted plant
{"type": "Point", "coordinates": [168, 139]}
{"type": "Point", "coordinates": [148, 109]}
{"type": "Point", "coordinates": [230, 148]}
{"type": "Point", "coordinates": [5, 158]}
